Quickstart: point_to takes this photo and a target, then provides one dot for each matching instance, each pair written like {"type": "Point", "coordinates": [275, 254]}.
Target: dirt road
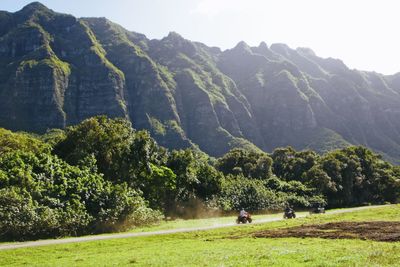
{"type": "Point", "coordinates": [163, 232]}
{"type": "Point", "coordinates": [385, 231]}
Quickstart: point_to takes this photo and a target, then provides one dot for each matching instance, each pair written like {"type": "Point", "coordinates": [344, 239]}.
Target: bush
{"type": "Point", "coordinates": [10, 141]}
{"type": "Point", "coordinates": [42, 196]}
{"type": "Point", "coordinates": [239, 192]}
{"type": "Point", "coordinates": [22, 218]}
{"type": "Point", "coordinates": [248, 163]}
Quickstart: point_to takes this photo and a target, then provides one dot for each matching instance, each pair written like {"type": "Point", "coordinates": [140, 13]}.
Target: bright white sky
{"type": "Point", "coordinates": [363, 33]}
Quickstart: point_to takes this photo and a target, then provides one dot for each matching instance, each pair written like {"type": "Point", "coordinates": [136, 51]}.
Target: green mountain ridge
{"type": "Point", "coordinates": [57, 70]}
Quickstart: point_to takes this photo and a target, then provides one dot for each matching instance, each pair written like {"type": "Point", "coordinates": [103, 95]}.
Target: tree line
{"type": "Point", "coordinates": [102, 175]}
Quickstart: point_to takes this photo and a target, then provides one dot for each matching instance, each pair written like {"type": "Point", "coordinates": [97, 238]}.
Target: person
{"type": "Point", "coordinates": [289, 212]}
{"type": "Point", "coordinates": [244, 217]}
{"type": "Point", "coordinates": [242, 213]}
{"type": "Point", "coordinates": [288, 209]}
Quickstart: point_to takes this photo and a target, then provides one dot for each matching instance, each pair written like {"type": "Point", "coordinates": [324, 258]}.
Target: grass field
{"type": "Point", "coordinates": [218, 248]}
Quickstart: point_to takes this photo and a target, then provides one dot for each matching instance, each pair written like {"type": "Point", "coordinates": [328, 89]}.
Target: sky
{"type": "Point", "coordinates": [362, 33]}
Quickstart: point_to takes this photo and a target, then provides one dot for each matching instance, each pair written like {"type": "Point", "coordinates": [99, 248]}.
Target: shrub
{"type": "Point", "coordinates": [42, 196]}
{"type": "Point", "coordinates": [239, 192]}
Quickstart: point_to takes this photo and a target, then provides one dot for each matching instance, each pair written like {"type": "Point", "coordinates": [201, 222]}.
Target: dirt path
{"type": "Point", "coordinates": [163, 232]}
{"type": "Point", "coordinates": [385, 231]}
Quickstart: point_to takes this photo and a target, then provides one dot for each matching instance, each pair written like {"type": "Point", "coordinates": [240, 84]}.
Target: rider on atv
{"type": "Point", "coordinates": [242, 213]}
{"type": "Point", "coordinates": [288, 209]}
{"type": "Point", "coordinates": [244, 217]}
{"type": "Point", "coordinates": [317, 208]}
{"type": "Point", "coordinates": [289, 212]}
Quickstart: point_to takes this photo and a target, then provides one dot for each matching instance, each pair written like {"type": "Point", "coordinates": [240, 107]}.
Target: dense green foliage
{"type": "Point", "coordinates": [43, 196]}
{"type": "Point", "coordinates": [249, 163]}
{"type": "Point", "coordinates": [102, 175]}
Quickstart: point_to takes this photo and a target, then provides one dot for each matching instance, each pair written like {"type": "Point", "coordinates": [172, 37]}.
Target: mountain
{"type": "Point", "coordinates": [56, 70]}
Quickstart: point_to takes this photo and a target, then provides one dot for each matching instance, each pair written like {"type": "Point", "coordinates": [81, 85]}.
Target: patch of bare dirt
{"type": "Point", "coordinates": [374, 230]}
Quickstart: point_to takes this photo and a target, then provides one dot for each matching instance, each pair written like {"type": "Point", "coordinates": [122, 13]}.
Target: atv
{"type": "Point", "coordinates": [289, 214]}
{"type": "Point", "coordinates": [317, 210]}
{"type": "Point", "coordinates": [244, 219]}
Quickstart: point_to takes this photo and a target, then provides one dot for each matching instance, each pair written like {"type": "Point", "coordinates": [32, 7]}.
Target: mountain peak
{"type": "Point", "coordinates": [34, 6]}
{"type": "Point", "coordinates": [264, 50]}
{"type": "Point", "coordinates": [242, 46]}
{"type": "Point", "coordinates": [282, 49]}
{"type": "Point", "coordinates": [179, 43]}
{"type": "Point", "coordinates": [174, 36]}
{"type": "Point", "coordinates": [306, 51]}
{"type": "Point", "coordinates": [263, 45]}
{"type": "Point", "coordinates": [280, 46]}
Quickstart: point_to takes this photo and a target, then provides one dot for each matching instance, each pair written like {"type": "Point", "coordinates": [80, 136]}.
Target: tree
{"type": "Point", "coordinates": [159, 187]}
{"type": "Point", "coordinates": [10, 141]}
{"type": "Point", "coordinates": [249, 163]}
{"type": "Point", "coordinates": [108, 140]}
{"type": "Point", "coordinates": [318, 179]}
{"type": "Point", "coordinates": [57, 199]}
{"type": "Point", "coordinates": [290, 164]}
{"type": "Point", "coordinates": [196, 182]}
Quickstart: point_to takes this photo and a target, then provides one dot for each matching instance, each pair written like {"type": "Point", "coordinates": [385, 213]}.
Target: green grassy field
{"type": "Point", "coordinates": [218, 248]}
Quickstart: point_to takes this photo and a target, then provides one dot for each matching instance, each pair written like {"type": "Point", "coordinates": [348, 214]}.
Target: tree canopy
{"type": "Point", "coordinates": [103, 175]}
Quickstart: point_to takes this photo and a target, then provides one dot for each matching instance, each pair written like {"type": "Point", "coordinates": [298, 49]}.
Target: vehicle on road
{"type": "Point", "coordinates": [246, 218]}
{"type": "Point", "coordinates": [317, 208]}
{"type": "Point", "coordinates": [289, 213]}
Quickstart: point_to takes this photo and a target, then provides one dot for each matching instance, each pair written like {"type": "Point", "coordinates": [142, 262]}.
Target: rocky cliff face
{"type": "Point", "coordinates": [56, 70]}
